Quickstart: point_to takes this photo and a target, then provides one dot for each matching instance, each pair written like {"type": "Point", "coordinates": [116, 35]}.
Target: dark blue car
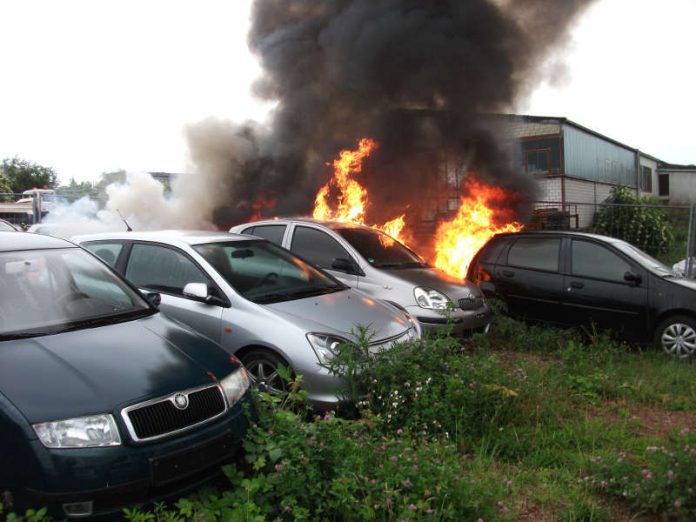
{"type": "Point", "coordinates": [103, 402]}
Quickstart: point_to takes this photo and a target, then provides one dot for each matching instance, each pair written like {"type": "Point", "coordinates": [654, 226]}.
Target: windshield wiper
{"type": "Point", "coordinates": [269, 298]}
{"type": "Point", "coordinates": [308, 292]}
{"type": "Point", "coordinates": [27, 335]}
{"type": "Point", "coordinates": [79, 325]}
{"type": "Point", "coordinates": [411, 264]}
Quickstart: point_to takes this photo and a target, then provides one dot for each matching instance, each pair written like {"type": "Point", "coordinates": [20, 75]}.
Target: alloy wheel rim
{"type": "Point", "coordinates": [265, 376]}
{"type": "Point", "coordinates": [679, 340]}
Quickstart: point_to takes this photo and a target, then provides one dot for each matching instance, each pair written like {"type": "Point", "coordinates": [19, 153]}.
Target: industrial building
{"type": "Point", "coordinates": [575, 167]}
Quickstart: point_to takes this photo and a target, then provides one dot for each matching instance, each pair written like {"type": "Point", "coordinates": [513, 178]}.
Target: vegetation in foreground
{"type": "Point", "coordinates": [526, 423]}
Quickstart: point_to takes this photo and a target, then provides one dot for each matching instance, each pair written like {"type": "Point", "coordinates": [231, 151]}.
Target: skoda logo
{"type": "Point", "coordinates": [181, 401]}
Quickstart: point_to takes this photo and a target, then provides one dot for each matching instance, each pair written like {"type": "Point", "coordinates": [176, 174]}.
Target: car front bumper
{"type": "Point", "coordinates": [104, 480]}
{"type": "Point", "coordinates": [461, 323]}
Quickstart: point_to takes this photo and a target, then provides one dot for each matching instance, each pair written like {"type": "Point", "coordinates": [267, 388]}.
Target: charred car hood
{"type": "Point", "coordinates": [435, 279]}
{"type": "Point", "coordinates": [100, 370]}
{"type": "Point", "coordinates": [341, 313]}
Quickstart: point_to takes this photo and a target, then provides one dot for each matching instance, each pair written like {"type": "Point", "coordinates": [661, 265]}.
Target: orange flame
{"type": "Point", "coordinates": [261, 204]}
{"type": "Point", "coordinates": [457, 241]}
{"type": "Point", "coordinates": [482, 213]}
{"type": "Point", "coordinates": [352, 197]}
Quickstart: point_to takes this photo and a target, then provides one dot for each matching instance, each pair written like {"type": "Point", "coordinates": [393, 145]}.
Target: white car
{"type": "Point", "coordinates": [257, 300]}
{"type": "Point", "coordinates": [371, 261]}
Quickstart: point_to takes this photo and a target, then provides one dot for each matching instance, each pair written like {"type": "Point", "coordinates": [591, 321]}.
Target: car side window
{"type": "Point", "coordinates": [492, 251]}
{"type": "Point", "coordinates": [273, 233]}
{"type": "Point", "coordinates": [107, 252]}
{"type": "Point", "coordinates": [317, 247]}
{"type": "Point", "coordinates": [162, 269]}
{"type": "Point", "coordinates": [596, 261]}
{"type": "Point", "coordinates": [535, 253]}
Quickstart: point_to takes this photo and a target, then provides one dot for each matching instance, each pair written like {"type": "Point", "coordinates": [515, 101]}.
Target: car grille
{"type": "Point", "coordinates": [471, 303]}
{"type": "Point", "coordinates": [161, 417]}
{"type": "Point", "coordinates": [386, 343]}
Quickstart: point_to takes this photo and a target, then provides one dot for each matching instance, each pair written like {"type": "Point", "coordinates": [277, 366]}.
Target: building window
{"type": "Point", "coordinates": [646, 179]}
{"type": "Point", "coordinates": [663, 185]}
{"type": "Point", "coordinates": [537, 161]}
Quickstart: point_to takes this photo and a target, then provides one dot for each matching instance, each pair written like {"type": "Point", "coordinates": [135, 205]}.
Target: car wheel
{"type": "Point", "coordinates": [676, 336]}
{"type": "Point", "coordinates": [262, 366]}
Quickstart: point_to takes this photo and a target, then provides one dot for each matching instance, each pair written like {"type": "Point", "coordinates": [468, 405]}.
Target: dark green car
{"type": "Point", "coordinates": [103, 402]}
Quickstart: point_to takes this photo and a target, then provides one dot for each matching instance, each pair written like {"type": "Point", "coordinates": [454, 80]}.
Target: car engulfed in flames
{"type": "Point", "coordinates": [482, 212]}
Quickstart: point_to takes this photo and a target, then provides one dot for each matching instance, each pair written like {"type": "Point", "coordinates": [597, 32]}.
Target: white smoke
{"type": "Point", "coordinates": [140, 200]}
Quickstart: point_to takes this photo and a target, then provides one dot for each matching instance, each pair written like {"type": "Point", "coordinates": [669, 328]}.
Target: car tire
{"type": "Point", "coordinates": [262, 366]}
{"type": "Point", "coordinates": [676, 336]}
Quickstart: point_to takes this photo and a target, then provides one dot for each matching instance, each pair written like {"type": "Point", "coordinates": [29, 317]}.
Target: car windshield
{"type": "Point", "coordinates": [50, 291]}
{"type": "Point", "coordinates": [380, 249]}
{"type": "Point", "coordinates": [6, 227]}
{"type": "Point", "coordinates": [265, 273]}
{"type": "Point", "coordinates": [644, 259]}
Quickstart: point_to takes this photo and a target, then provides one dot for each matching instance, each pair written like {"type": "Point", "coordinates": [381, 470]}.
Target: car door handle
{"type": "Point", "coordinates": [508, 273]}
{"type": "Point", "coordinates": [576, 284]}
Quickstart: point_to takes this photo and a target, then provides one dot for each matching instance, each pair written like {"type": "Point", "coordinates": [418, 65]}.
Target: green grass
{"type": "Point", "coordinates": [505, 426]}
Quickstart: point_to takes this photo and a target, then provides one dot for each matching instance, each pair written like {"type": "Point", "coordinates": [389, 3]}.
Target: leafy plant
{"type": "Point", "coordinates": [639, 221]}
{"type": "Point", "coordinates": [662, 481]}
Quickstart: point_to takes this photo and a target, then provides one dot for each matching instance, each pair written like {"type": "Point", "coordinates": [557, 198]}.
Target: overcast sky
{"type": "Point", "coordinates": [95, 86]}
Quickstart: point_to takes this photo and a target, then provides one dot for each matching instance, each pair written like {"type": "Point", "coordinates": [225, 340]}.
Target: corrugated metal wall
{"type": "Point", "coordinates": [592, 158]}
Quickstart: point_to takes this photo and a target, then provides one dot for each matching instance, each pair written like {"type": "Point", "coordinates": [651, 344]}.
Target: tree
{"type": "Point", "coordinates": [24, 175]}
{"type": "Point", "coordinates": [74, 190]}
{"type": "Point", "coordinates": [5, 188]}
{"type": "Point", "coordinates": [107, 178]}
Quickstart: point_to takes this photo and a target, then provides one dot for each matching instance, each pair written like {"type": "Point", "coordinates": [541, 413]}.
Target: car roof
{"type": "Point", "coordinates": [190, 237]}
{"type": "Point", "coordinates": [305, 219]}
{"type": "Point", "coordinates": [569, 233]}
{"type": "Point", "coordinates": [14, 241]}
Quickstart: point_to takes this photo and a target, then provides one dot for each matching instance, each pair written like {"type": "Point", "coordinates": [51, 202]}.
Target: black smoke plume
{"type": "Point", "coordinates": [414, 75]}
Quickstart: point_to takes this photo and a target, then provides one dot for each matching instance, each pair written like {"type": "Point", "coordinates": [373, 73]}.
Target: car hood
{"type": "Point", "coordinates": [683, 282]}
{"type": "Point", "coordinates": [435, 279]}
{"type": "Point", "coordinates": [341, 313]}
{"type": "Point", "coordinates": [99, 370]}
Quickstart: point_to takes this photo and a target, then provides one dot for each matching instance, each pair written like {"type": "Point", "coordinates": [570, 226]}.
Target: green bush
{"type": "Point", "coordinates": [431, 387]}
{"type": "Point", "coordinates": [628, 217]}
{"type": "Point", "coordinates": [327, 468]}
{"type": "Point", "coordinates": [663, 481]}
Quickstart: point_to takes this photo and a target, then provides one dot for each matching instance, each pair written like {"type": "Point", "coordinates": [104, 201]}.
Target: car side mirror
{"type": "Point", "coordinates": [196, 291]}
{"type": "Point", "coordinates": [199, 292]}
{"type": "Point", "coordinates": [155, 298]}
{"type": "Point", "coordinates": [345, 265]}
{"type": "Point", "coordinates": [633, 278]}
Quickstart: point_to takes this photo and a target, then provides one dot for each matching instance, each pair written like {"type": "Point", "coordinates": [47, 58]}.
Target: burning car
{"type": "Point", "coordinates": [103, 402]}
{"type": "Point", "coordinates": [377, 264]}
{"type": "Point", "coordinates": [258, 300]}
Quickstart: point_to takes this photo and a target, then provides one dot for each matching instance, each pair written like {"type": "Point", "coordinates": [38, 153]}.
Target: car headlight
{"type": "Point", "coordinates": [431, 299]}
{"type": "Point", "coordinates": [235, 385]}
{"type": "Point", "coordinates": [82, 432]}
{"type": "Point", "coordinates": [325, 346]}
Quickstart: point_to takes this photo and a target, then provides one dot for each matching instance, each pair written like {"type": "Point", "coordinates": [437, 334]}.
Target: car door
{"type": "Point", "coordinates": [596, 290]}
{"type": "Point", "coordinates": [322, 250]}
{"type": "Point", "coordinates": [160, 268]}
{"type": "Point", "coordinates": [529, 278]}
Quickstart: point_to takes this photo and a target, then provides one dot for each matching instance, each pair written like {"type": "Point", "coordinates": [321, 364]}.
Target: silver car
{"type": "Point", "coordinates": [381, 267]}
{"type": "Point", "coordinates": [256, 299]}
